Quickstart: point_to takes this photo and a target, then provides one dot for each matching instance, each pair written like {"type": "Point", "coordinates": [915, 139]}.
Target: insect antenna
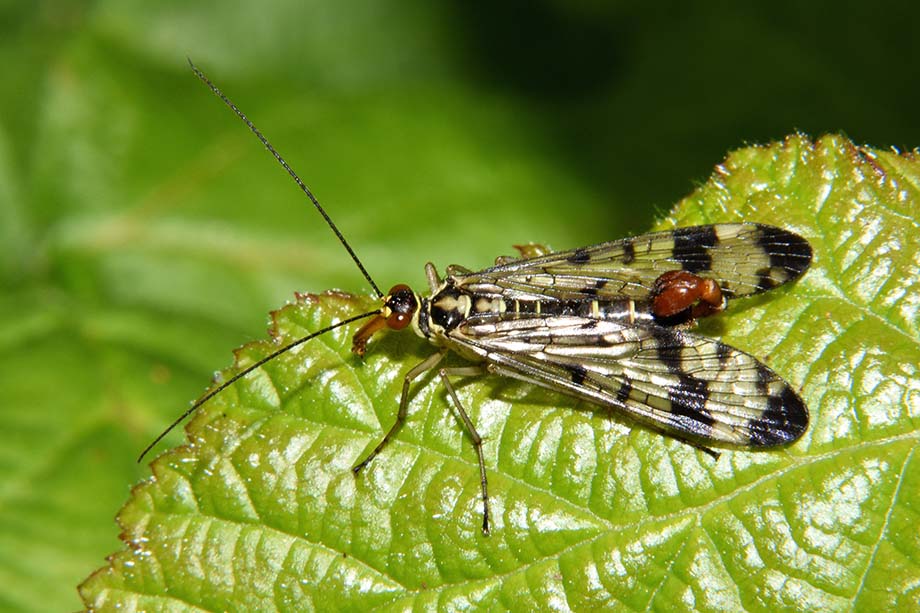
{"type": "Point", "coordinates": [306, 190]}
{"type": "Point", "coordinates": [203, 399]}
{"type": "Point", "coordinates": [290, 171]}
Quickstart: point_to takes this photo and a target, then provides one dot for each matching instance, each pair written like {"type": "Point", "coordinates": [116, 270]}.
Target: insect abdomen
{"type": "Point", "coordinates": [624, 310]}
{"type": "Point", "coordinates": [451, 306]}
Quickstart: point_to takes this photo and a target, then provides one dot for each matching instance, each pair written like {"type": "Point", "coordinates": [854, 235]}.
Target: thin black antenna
{"type": "Point", "coordinates": [245, 372]}
{"type": "Point", "coordinates": [290, 171]}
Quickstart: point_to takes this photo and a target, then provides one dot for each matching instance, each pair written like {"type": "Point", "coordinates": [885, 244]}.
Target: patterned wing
{"type": "Point", "coordinates": [687, 385]}
{"type": "Point", "coordinates": [743, 258]}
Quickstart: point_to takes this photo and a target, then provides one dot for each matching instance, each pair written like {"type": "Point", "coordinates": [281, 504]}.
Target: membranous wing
{"type": "Point", "coordinates": [743, 258]}
{"type": "Point", "coordinates": [687, 385]}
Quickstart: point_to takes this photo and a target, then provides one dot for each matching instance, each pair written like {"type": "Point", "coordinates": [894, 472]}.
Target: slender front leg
{"type": "Point", "coordinates": [417, 371]}
{"type": "Point", "coordinates": [469, 371]}
{"type": "Point", "coordinates": [431, 273]}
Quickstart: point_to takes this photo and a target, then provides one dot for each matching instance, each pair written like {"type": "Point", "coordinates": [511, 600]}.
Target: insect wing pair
{"type": "Point", "coordinates": [598, 334]}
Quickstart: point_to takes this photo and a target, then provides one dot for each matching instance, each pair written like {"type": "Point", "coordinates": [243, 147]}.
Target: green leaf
{"type": "Point", "coordinates": [260, 510]}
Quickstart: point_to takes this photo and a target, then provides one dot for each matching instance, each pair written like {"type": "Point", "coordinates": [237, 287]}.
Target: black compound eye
{"type": "Point", "coordinates": [402, 305]}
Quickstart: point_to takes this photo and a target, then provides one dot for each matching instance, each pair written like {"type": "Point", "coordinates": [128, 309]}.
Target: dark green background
{"type": "Point", "coordinates": [144, 233]}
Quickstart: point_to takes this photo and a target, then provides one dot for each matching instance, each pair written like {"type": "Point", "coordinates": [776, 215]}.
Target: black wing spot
{"type": "Point", "coordinates": [788, 251]}
{"type": "Point", "coordinates": [785, 419]}
{"type": "Point", "coordinates": [624, 391]}
{"type": "Point", "coordinates": [688, 402]}
{"type": "Point", "coordinates": [579, 256]}
{"type": "Point", "coordinates": [723, 352]}
{"type": "Point", "coordinates": [691, 247]}
{"type": "Point", "coordinates": [578, 374]}
{"type": "Point", "coordinates": [668, 346]}
{"type": "Point", "coordinates": [629, 252]}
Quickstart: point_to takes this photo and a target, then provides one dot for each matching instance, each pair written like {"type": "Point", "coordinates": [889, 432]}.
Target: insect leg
{"type": "Point", "coordinates": [469, 371]}
{"type": "Point", "coordinates": [416, 371]}
{"type": "Point", "coordinates": [431, 273]}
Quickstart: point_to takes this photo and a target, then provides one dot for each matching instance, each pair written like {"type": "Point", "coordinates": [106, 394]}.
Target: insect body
{"type": "Point", "coordinates": [592, 323]}
{"type": "Point", "coordinates": [608, 324]}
